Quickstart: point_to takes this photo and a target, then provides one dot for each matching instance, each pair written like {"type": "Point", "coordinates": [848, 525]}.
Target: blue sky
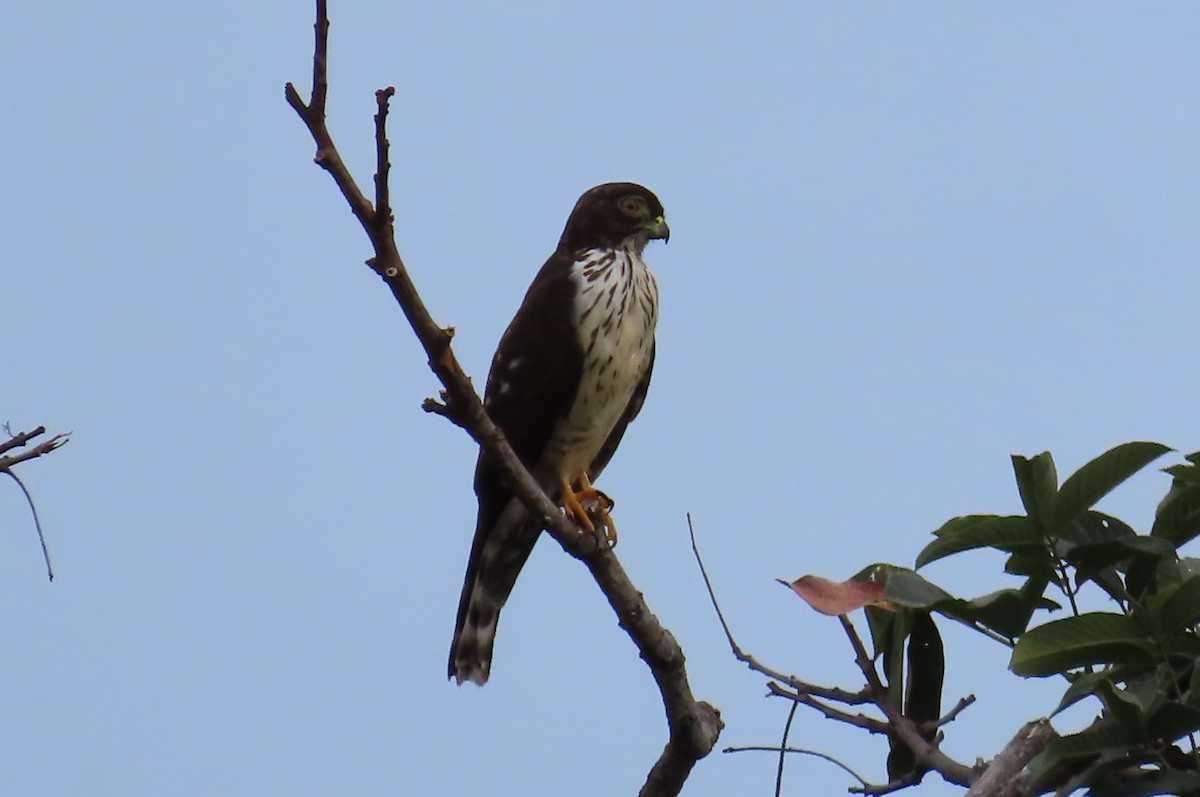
{"type": "Point", "coordinates": [907, 241]}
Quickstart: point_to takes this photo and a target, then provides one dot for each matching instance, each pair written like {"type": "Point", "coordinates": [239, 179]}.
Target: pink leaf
{"type": "Point", "coordinates": [839, 597]}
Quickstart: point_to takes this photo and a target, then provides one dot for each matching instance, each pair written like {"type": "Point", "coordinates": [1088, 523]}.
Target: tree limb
{"type": "Point", "coordinates": [755, 748]}
{"type": "Point", "coordinates": [869, 724]}
{"type": "Point", "coordinates": [22, 439]}
{"type": "Point", "coordinates": [800, 686]}
{"type": "Point", "coordinates": [19, 440]}
{"type": "Point", "coordinates": [1000, 775]}
{"type": "Point", "coordinates": [874, 693]}
{"type": "Point", "coordinates": [927, 752]}
{"type": "Point", "coordinates": [693, 725]}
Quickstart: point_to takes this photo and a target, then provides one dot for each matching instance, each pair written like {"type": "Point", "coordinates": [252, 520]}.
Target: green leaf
{"type": "Point", "coordinates": [1178, 515]}
{"type": "Point", "coordinates": [1103, 738]}
{"type": "Point", "coordinates": [1192, 696]}
{"type": "Point", "coordinates": [1093, 556]}
{"type": "Point", "coordinates": [908, 588]}
{"type": "Point", "coordinates": [1009, 533]}
{"type": "Point", "coordinates": [881, 623]}
{"type": "Point", "coordinates": [1095, 638]}
{"type": "Point", "coordinates": [1146, 689]}
{"type": "Point", "coordinates": [1173, 720]}
{"type": "Point", "coordinates": [1094, 527]}
{"type": "Point", "coordinates": [1123, 707]}
{"type": "Point", "coordinates": [1037, 481]}
{"type": "Point", "coordinates": [1108, 580]}
{"type": "Point", "coordinates": [1120, 779]}
{"type": "Point", "coordinates": [1086, 685]}
{"type": "Point", "coordinates": [923, 688]}
{"type": "Point", "coordinates": [1188, 474]}
{"type": "Point", "coordinates": [1098, 478]}
{"type": "Point", "coordinates": [926, 670]}
{"type": "Point", "coordinates": [901, 759]}
{"type": "Point", "coordinates": [1034, 563]}
{"type": "Point", "coordinates": [1140, 575]}
{"type": "Point", "coordinates": [1008, 611]}
{"type": "Point", "coordinates": [1182, 608]}
{"type": "Point", "coordinates": [1181, 646]}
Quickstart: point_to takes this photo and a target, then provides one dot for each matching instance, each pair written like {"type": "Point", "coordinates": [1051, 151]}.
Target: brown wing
{"type": "Point", "coordinates": [534, 377]}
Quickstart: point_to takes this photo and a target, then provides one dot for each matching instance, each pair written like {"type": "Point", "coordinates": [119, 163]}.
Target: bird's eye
{"type": "Point", "coordinates": [629, 205]}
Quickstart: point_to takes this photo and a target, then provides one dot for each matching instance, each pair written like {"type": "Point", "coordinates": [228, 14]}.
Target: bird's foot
{"type": "Point", "coordinates": [590, 508]}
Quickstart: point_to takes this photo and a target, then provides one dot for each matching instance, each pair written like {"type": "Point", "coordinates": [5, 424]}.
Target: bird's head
{"type": "Point", "coordinates": [612, 214]}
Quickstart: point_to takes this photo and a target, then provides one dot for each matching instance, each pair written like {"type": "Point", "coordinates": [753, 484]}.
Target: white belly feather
{"type": "Point", "coordinates": [616, 308]}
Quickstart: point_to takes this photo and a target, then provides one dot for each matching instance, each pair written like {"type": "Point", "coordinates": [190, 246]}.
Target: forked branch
{"type": "Point", "coordinates": [19, 440]}
{"type": "Point", "coordinates": [693, 725]}
{"type": "Point", "coordinates": [822, 698]}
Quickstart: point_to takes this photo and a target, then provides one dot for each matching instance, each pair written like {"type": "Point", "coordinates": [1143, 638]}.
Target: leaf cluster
{"type": "Point", "coordinates": [1140, 659]}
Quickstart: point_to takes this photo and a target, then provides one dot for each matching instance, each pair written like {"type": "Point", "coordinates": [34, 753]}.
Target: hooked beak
{"type": "Point", "coordinates": [659, 229]}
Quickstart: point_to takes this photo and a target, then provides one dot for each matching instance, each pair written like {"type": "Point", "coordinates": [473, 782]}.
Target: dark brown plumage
{"type": "Point", "coordinates": [570, 373]}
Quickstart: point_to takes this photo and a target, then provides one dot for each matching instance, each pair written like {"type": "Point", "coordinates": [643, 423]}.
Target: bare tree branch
{"type": "Point", "coordinates": [815, 697]}
{"type": "Point", "coordinates": [19, 440]}
{"type": "Point", "coordinates": [926, 752]}
{"type": "Point", "coordinates": [22, 439]}
{"type": "Point", "coordinates": [693, 725]}
{"type": "Point", "coordinates": [1001, 773]}
{"type": "Point", "coordinates": [799, 750]}
{"type": "Point", "coordinates": [783, 743]}
{"type": "Point", "coordinates": [870, 724]}
{"type": "Point", "coordinates": [953, 713]}
{"type": "Point", "coordinates": [37, 521]}
{"type": "Point", "coordinates": [887, 788]}
{"type": "Point", "coordinates": [800, 686]}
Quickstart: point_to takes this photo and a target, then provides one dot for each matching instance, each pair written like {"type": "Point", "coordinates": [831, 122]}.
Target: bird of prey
{"type": "Point", "coordinates": [570, 373]}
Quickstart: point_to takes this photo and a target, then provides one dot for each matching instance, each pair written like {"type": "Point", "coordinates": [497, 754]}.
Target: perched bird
{"type": "Point", "coordinates": [571, 372]}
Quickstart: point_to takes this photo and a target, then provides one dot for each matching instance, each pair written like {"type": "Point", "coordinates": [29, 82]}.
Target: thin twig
{"type": "Point", "coordinates": [889, 787]}
{"type": "Point", "coordinates": [20, 438]}
{"type": "Point", "coordinates": [1064, 579]}
{"type": "Point", "coordinates": [953, 713]}
{"type": "Point", "coordinates": [799, 750]}
{"type": "Point", "coordinates": [383, 206]}
{"type": "Point", "coordinates": [858, 720]}
{"type": "Point", "coordinates": [804, 687]}
{"type": "Point", "coordinates": [926, 751]}
{"type": "Point", "coordinates": [435, 407]}
{"type": "Point", "coordinates": [40, 449]}
{"type": "Point", "coordinates": [320, 81]}
{"type": "Point", "coordinates": [37, 523]}
{"type": "Point", "coordinates": [875, 693]}
{"type": "Point", "coordinates": [787, 728]}
{"type": "Point", "coordinates": [980, 628]}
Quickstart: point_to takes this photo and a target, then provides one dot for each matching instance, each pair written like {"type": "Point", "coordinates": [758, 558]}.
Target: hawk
{"type": "Point", "coordinates": [570, 373]}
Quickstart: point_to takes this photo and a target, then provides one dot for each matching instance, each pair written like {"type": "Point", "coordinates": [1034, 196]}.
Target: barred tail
{"type": "Point", "coordinates": [496, 560]}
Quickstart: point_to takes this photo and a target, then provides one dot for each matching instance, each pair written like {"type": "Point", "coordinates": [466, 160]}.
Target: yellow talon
{"type": "Point", "coordinates": [610, 528]}
{"type": "Point", "coordinates": [575, 511]}
{"type": "Point", "coordinates": [573, 502]}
